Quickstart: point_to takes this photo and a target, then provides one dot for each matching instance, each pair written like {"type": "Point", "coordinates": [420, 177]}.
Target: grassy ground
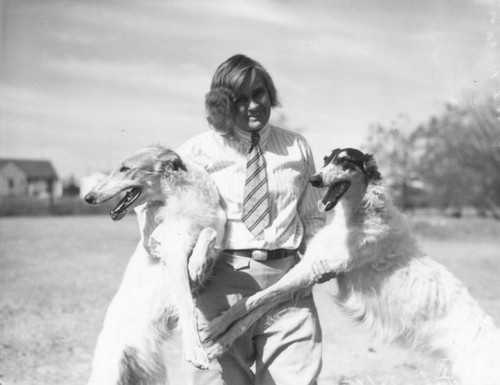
{"type": "Point", "coordinates": [58, 274]}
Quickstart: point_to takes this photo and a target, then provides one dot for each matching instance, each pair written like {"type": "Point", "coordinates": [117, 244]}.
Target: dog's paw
{"type": "Point", "coordinates": [217, 349]}
{"type": "Point", "coordinates": [202, 254]}
{"type": "Point", "coordinates": [207, 236]}
{"type": "Point", "coordinates": [153, 248]}
{"type": "Point", "coordinates": [215, 328]}
{"type": "Point", "coordinates": [154, 244]}
{"type": "Point", "coordinates": [197, 357]}
{"type": "Point", "coordinates": [322, 271]}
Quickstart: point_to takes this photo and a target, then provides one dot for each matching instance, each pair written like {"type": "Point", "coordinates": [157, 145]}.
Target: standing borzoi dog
{"type": "Point", "coordinates": [155, 291]}
{"type": "Point", "coordinates": [385, 280]}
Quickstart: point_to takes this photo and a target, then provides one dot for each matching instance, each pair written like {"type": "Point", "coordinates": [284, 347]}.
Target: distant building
{"type": "Point", "coordinates": [34, 178]}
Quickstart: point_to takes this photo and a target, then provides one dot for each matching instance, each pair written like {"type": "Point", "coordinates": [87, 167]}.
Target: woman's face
{"type": "Point", "coordinates": [253, 104]}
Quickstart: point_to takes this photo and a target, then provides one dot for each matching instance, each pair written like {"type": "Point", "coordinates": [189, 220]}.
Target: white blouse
{"type": "Point", "coordinates": [294, 215]}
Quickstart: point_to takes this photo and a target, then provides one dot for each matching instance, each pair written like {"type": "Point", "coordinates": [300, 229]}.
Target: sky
{"type": "Point", "coordinates": [85, 83]}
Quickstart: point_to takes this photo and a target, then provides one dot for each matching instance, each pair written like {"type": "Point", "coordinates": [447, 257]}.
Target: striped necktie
{"type": "Point", "coordinates": [256, 202]}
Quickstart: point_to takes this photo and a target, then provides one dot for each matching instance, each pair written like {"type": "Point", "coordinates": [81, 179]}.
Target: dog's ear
{"type": "Point", "coordinates": [370, 167]}
{"type": "Point", "coordinates": [177, 164]}
{"type": "Point", "coordinates": [168, 162]}
{"type": "Point", "coordinates": [328, 158]}
{"type": "Point", "coordinates": [219, 109]}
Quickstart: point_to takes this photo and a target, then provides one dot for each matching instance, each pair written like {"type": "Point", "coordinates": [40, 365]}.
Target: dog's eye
{"type": "Point", "coordinates": [124, 168]}
{"type": "Point", "coordinates": [345, 164]}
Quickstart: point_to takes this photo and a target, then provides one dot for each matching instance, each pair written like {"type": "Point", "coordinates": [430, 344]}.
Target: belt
{"type": "Point", "coordinates": [262, 255]}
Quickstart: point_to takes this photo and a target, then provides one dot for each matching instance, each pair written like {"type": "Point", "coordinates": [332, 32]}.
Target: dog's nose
{"type": "Point", "coordinates": [90, 198]}
{"type": "Point", "coordinates": [316, 180]}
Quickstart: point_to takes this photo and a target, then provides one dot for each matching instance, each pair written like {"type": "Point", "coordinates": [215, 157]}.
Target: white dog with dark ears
{"type": "Point", "coordinates": [174, 258]}
{"type": "Point", "coordinates": [385, 280]}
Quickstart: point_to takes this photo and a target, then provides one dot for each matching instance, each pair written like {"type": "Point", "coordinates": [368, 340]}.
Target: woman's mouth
{"type": "Point", "coordinates": [255, 115]}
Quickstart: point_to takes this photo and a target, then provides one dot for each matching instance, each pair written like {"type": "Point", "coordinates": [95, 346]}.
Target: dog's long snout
{"type": "Point", "coordinates": [90, 198]}
{"type": "Point", "coordinates": [316, 180]}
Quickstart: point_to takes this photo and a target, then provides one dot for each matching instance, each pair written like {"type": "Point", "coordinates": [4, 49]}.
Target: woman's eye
{"type": "Point", "coordinates": [258, 93]}
{"type": "Point", "coordinates": [124, 168]}
{"type": "Point", "coordinates": [241, 100]}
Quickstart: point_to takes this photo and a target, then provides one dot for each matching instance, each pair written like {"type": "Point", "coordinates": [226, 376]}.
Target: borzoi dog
{"type": "Point", "coordinates": [155, 292]}
{"type": "Point", "coordinates": [385, 281]}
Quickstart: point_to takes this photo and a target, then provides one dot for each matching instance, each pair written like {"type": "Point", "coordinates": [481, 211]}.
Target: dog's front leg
{"type": "Point", "coordinates": [235, 318]}
{"type": "Point", "coordinates": [192, 348]}
{"type": "Point", "coordinates": [174, 242]}
{"type": "Point", "coordinates": [322, 271]}
{"type": "Point", "coordinates": [328, 256]}
{"type": "Point", "coordinates": [332, 257]}
{"type": "Point", "coordinates": [202, 259]}
{"type": "Point", "coordinates": [221, 344]}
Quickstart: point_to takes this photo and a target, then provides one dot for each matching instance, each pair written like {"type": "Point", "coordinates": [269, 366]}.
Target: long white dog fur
{"type": "Point", "coordinates": [385, 280]}
{"type": "Point", "coordinates": [155, 293]}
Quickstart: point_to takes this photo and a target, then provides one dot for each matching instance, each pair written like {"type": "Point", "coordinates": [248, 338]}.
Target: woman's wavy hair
{"type": "Point", "coordinates": [226, 83]}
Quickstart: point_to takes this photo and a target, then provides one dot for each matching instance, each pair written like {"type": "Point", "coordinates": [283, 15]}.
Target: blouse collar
{"type": "Point", "coordinates": [244, 137]}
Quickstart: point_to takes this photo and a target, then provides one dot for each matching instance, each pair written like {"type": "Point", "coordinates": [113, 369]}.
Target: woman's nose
{"type": "Point", "coordinates": [253, 104]}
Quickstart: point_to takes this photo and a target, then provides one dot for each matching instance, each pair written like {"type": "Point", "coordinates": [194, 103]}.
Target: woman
{"type": "Point", "coordinates": [271, 212]}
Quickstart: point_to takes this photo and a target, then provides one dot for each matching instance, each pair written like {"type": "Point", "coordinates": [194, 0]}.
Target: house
{"type": "Point", "coordinates": [33, 178]}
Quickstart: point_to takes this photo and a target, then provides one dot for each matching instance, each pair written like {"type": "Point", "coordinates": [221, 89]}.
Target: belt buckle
{"type": "Point", "coordinates": [259, 255]}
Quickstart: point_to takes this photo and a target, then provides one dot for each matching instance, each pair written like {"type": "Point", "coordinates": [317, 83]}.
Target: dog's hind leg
{"type": "Point", "coordinates": [137, 369]}
{"type": "Point", "coordinates": [140, 317]}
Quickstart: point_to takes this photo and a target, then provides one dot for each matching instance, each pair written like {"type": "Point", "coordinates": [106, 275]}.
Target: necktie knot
{"type": "Point", "coordinates": [255, 138]}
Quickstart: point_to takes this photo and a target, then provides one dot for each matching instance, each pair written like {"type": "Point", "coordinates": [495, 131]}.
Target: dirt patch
{"type": "Point", "coordinates": [58, 275]}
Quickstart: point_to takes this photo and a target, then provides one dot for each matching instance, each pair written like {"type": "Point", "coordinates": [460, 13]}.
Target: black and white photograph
{"type": "Point", "coordinates": [234, 192]}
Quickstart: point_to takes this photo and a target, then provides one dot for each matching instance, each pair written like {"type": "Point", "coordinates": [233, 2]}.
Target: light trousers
{"type": "Point", "coordinates": [283, 347]}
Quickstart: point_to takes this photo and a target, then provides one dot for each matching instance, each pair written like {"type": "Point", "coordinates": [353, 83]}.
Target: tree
{"type": "Point", "coordinates": [462, 157]}
{"type": "Point", "coordinates": [453, 160]}
{"type": "Point", "coordinates": [396, 156]}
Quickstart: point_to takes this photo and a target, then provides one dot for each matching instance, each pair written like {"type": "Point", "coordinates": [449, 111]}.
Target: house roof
{"type": "Point", "coordinates": [34, 169]}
